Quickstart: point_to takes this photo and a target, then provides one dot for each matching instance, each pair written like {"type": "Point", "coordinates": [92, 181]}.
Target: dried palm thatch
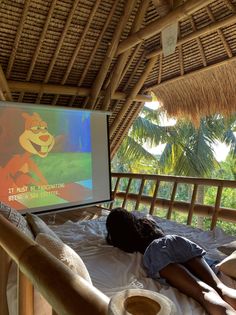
{"type": "Point", "coordinates": [107, 55]}
{"type": "Point", "coordinates": [200, 95]}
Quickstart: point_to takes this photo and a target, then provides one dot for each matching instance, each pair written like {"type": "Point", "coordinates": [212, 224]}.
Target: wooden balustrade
{"type": "Point", "coordinates": [124, 184]}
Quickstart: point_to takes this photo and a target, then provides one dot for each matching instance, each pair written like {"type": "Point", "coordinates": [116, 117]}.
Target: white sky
{"type": "Point", "coordinates": [221, 150]}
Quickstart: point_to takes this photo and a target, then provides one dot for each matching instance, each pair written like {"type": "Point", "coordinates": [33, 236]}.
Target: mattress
{"type": "Point", "coordinates": [113, 270]}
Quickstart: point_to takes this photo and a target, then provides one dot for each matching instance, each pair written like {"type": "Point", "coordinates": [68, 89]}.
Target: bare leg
{"type": "Point", "coordinates": [179, 277]}
{"type": "Point", "coordinates": [201, 270]}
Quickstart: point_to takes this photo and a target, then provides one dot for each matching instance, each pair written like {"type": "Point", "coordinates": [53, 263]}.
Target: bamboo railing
{"type": "Point", "coordinates": [67, 292]}
{"type": "Point", "coordinates": [132, 187]}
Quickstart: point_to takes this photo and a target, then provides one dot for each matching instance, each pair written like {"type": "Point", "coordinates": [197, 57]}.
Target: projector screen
{"type": "Point", "coordinates": [53, 157]}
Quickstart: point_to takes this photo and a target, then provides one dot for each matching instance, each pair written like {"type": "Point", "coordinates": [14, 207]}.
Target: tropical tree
{"type": "Point", "coordinates": [188, 150]}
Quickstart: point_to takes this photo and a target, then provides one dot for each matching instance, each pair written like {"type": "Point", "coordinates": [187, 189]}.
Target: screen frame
{"type": "Point", "coordinates": [67, 206]}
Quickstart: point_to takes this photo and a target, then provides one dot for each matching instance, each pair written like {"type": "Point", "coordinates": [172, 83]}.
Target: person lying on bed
{"type": "Point", "coordinates": [171, 257]}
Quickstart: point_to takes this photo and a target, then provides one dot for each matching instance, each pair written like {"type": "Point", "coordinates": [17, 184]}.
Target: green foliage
{"type": "Point", "coordinates": [188, 151]}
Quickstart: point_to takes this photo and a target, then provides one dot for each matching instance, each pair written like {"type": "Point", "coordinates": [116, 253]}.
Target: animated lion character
{"type": "Point", "coordinates": [35, 140]}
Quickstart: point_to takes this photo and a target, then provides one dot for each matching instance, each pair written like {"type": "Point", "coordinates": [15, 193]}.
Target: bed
{"type": "Point", "coordinates": [112, 271]}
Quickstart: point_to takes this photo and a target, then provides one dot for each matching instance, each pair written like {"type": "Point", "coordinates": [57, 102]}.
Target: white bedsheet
{"type": "Point", "coordinates": [113, 270]}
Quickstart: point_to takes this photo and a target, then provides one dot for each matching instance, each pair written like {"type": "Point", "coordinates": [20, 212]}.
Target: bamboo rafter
{"type": "Point", "coordinates": [65, 90]}
{"type": "Point", "coordinates": [160, 68]}
{"type": "Point", "coordinates": [40, 42]}
{"type": "Point", "coordinates": [122, 59]}
{"type": "Point", "coordinates": [230, 5]}
{"type": "Point", "coordinates": [201, 32]}
{"type": "Point", "coordinates": [135, 69]}
{"type": "Point", "coordinates": [5, 93]}
{"type": "Point", "coordinates": [17, 38]}
{"type": "Point", "coordinates": [78, 46]}
{"type": "Point", "coordinates": [156, 27]}
{"type": "Point", "coordinates": [204, 61]}
{"type": "Point", "coordinates": [59, 45]}
{"type": "Point", "coordinates": [85, 71]}
{"type": "Point", "coordinates": [121, 115]}
{"type": "Point", "coordinates": [130, 4]}
{"type": "Point", "coordinates": [118, 138]}
{"type": "Point", "coordinates": [220, 33]}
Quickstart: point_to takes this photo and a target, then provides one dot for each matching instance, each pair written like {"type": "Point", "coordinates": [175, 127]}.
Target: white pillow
{"type": "Point", "coordinates": [65, 254]}
{"type": "Point", "coordinates": [228, 265]}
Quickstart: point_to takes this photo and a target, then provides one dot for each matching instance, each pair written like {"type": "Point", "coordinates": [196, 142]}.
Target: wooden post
{"type": "Point", "coordinates": [191, 206]}
{"type": "Point", "coordinates": [25, 295]}
{"type": "Point", "coordinates": [217, 207]}
{"type": "Point", "coordinates": [172, 201]}
{"type": "Point", "coordinates": [5, 261]}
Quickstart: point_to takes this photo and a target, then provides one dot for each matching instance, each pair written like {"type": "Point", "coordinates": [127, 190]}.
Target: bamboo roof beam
{"type": "Point", "coordinates": [218, 64]}
{"type": "Point", "coordinates": [160, 68]}
{"type": "Point", "coordinates": [116, 143]}
{"type": "Point", "coordinates": [156, 27]}
{"type": "Point", "coordinates": [78, 46]}
{"type": "Point", "coordinates": [59, 45]}
{"type": "Point", "coordinates": [39, 45]}
{"type": "Point", "coordinates": [132, 95]}
{"type": "Point", "coordinates": [181, 60]}
{"type": "Point", "coordinates": [201, 32]}
{"type": "Point", "coordinates": [18, 86]}
{"type": "Point", "coordinates": [230, 5]}
{"type": "Point", "coordinates": [110, 52]}
{"type": "Point", "coordinates": [221, 34]}
{"type": "Point", "coordinates": [135, 69]}
{"type": "Point", "coordinates": [17, 38]}
{"type": "Point", "coordinates": [122, 59]}
{"type": "Point", "coordinates": [91, 58]}
{"type": "Point", "coordinates": [204, 61]}
{"type": "Point", "coordinates": [4, 88]}
{"type": "Point", "coordinates": [131, 59]}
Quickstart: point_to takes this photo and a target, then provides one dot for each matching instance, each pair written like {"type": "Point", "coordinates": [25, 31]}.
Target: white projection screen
{"type": "Point", "coordinates": [53, 157]}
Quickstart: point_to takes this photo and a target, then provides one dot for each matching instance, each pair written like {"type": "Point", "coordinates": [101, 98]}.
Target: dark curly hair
{"type": "Point", "coordinates": [129, 233]}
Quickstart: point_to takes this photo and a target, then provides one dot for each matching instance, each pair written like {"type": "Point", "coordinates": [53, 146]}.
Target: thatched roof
{"type": "Point", "coordinates": [108, 55]}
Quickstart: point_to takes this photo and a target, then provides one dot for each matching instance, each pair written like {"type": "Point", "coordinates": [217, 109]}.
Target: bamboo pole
{"type": "Point", "coordinates": [4, 88]}
{"type": "Point", "coordinates": [156, 27]}
{"type": "Point", "coordinates": [91, 58]}
{"type": "Point", "coordinates": [55, 281]}
{"type": "Point", "coordinates": [59, 45]}
{"type": "Point", "coordinates": [17, 38]}
{"type": "Point", "coordinates": [78, 47]}
{"type": "Point", "coordinates": [198, 33]}
{"type": "Point", "coordinates": [131, 97]}
{"type": "Point", "coordinates": [96, 88]}
{"type": "Point", "coordinates": [25, 296]}
{"type": "Point", "coordinates": [122, 60]}
{"type": "Point", "coordinates": [4, 269]}
{"type": "Point", "coordinates": [204, 61]}
{"type": "Point", "coordinates": [191, 207]}
{"type": "Point", "coordinates": [119, 134]}
{"type": "Point", "coordinates": [65, 90]}
{"type": "Point", "coordinates": [221, 34]}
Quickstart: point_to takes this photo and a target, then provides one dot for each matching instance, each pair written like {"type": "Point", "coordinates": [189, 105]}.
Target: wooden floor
{"type": "Point", "coordinates": [73, 215]}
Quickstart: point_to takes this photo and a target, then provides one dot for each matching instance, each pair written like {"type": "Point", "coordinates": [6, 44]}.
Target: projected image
{"type": "Point", "coordinates": [45, 157]}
